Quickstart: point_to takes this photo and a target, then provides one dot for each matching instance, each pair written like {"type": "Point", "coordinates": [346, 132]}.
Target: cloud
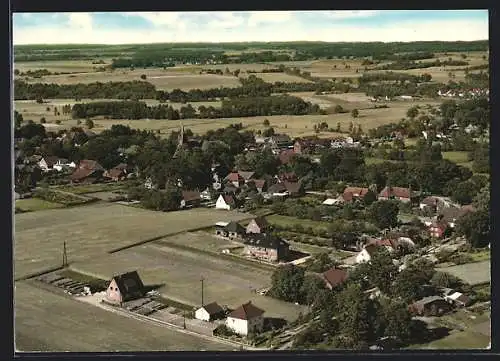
{"type": "Point", "coordinates": [243, 27]}
{"type": "Point", "coordinates": [260, 17]}
{"type": "Point", "coordinates": [350, 14]}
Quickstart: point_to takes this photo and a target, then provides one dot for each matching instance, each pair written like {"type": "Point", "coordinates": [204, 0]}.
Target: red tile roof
{"type": "Point", "coordinates": [396, 192]}
{"type": "Point", "coordinates": [356, 191]}
{"type": "Point", "coordinates": [335, 276]}
{"type": "Point", "coordinates": [90, 164]}
{"type": "Point", "coordinates": [234, 177]}
{"type": "Point", "coordinates": [246, 311]}
{"type": "Point", "coordinates": [259, 183]}
{"type": "Point", "coordinates": [81, 173]}
{"type": "Point", "coordinates": [286, 155]}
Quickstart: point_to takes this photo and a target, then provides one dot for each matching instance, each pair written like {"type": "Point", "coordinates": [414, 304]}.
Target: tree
{"type": "Point", "coordinates": [410, 284]}
{"type": "Point", "coordinates": [268, 132]}
{"type": "Point", "coordinates": [266, 122]}
{"type": "Point", "coordinates": [370, 197]}
{"type": "Point", "coordinates": [384, 214]}
{"type": "Point", "coordinates": [311, 286]}
{"type": "Point", "coordinates": [464, 192]}
{"type": "Point", "coordinates": [381, 270]}
{"type": "Point", "coordinates": [339, 128]}
{"type": "Point", "coordinates": [444, 279]}
{"type": "Point", "coordinates": [143, 76]}
{"type": "Point", "coordinates": [397, 320]}
{"type": "Point", "coordinates": [412, 112]}
{"type": "Point", "coordinates": [482, 200]}
{"type": "Point", "coordinates": [89, 123]}
{"type": "Point", "coordinates": [43, 120]}
{"type": "Point", "coordinates": [286, 283]}
{"type": "Point", "coordinates": [475, 226]}
{"type": "Point", "coordinates": [338, 109]}
{"type": "Point", "coordinates": [355, 113]}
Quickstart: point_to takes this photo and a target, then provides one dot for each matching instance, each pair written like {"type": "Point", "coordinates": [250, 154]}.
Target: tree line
{"type": "Point", "coordinates": [406, 65]}
{"type": "Point", "coordinates": [237, 107]}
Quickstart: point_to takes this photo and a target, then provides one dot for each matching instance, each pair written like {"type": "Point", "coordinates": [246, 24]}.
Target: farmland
{"type": "Point", "coordinates": [91, 329]}
{"type": "Point", "coordinates": [227, 281]}
{"type": "Point", "coordinates": [472, 273]}
{"type": "Point", "coordinates": [96, 229]}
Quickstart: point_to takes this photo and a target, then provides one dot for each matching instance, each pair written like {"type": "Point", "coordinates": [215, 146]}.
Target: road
{"type": "Point", "coordinates": [96, 299]}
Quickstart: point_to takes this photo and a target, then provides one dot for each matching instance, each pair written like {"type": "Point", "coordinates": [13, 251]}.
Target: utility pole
{"type": "Point", "coordinates": [65, 256]}
{"type": "Point", "coordinates": [202, 301]}
{"type": "Point", "coordinates": [184, 324]}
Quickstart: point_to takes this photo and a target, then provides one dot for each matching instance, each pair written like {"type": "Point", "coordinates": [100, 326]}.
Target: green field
{"type": "Point", "coordinates": [456, 156]}
{"type": "Point", "coordinates": [472, 273]}
{"type": "Point", "coordinates": [286, 221]}
{"type": "Point", "coordinates": [92, 188]}
{"type": "Point", "coordinates": [45, 321]}
{"type": "Point", "coordinates": [95, 229]}
{"type": "Point", "coordinates": [36, 204]}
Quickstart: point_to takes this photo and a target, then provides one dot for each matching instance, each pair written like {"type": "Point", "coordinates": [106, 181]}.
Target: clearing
{"type": "Point", "coordinates": [227, 280]}
{"type": "Point", "coordinates": [472, 273]}
{"type": "Point", "coordinates": [67, 328]}
{"type": "Point", "coordinates": [96, 229]}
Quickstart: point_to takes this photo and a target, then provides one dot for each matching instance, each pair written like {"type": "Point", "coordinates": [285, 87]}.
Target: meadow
{"type": "Point", "coordinates": [95, 229]}
{"type": "Point", "coordinates": [78, 327]}
{"type": "Point", "coordinates": [179, 270]}
{"type": "Point", "coordinates": [474, 273]}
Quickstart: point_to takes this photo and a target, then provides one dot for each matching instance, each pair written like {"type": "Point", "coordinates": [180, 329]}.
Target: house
{"type": "Point", "coordinates": [287, 177]}
{"type": "Point", "coordinates": [209, 312]}
{"type": "Point", "coordinates": [47, 163]}
{"type": "Point", "coordinates": [261, 140]}
{"type": "Point", "coordinates": [220, 229]}
{"type": "Point", "coordinates": [277, 190]}
{"type": "Point", "coordinates": [257, 225]}
{"type": "Point", "coordinates": [365, 255]}
{"type": "Point", "coordinates": [437, 229]}
{"type": "Point", "coordinates": [266, 247]}
{"type": "Point", "coordinates": [285, 156]}
{"type": "Point", "coordinates": [430, 203]}
{"type": "Point", "coordinates": [334, 277]}
{"type": "Point", "coordinates": [458, 299]}
{"type": "Point", "coordinates": [280, 141]}
{"type": "Point", "coordinates": [247, 176]}
{"type": "Point", "coordinates": [115, 174]}
{"type": "Point", "coordinates": [388, 244]}
{"type": "Point", "coordinates": [353, 193]}
{"type": "Point", "coordinates": [246, 319]}
{"type": "Point", "coordinates": [399, 193]}
{"type": "Point", "coordinates": [63, 163]}
{"type": "Point", "coordinates": [430, 306]}
{"type": "Point", "coordinates": [90, 164]}
{"type": "Point", "coordinates": [125, 287]}
{"type": "Point", "coordinates": [234, 230]}
{"type": "Point", "coordinates": [294, 189]}
{"type": "Point", "coordinates": [260, 185]}
{"type": "Point", "coordinates": [450, 215]}
{"type": "Point", "coordinates": [226, 201]}
{"type": "Point", "coordinates": [235, 179]}
{"type": "Point", "coordinates": [83, 175]}
{"type": "Point", "coordinates": [190, 199]}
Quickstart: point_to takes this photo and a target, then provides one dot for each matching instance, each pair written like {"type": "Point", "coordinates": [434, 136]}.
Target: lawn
{"type": "Point", "coordinates": [286, 221]}
{"type": "Point", "coordinates": [46, 321]}
{"type": "Point", "coordinates": [58, 66]}
{"type": "Point", "coordinates": [92, 188]}
{"type": "Point", "coordinates": [472, 273]}
{"type": "Point", "coordinates": [95, 229]}
{"type": "Point", "coordinates": [227, 280]}
{"type": "Point", "coordinates": [458, 340]}
{"type": "Point", "coordinates": [458, 157]}
{"type": "Point", "coordinates": [36, 204]}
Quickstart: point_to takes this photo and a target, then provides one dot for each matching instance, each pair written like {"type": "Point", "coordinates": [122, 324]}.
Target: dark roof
{"type": "Point", "coordinates": [115, 173]}
{"type": "Point", "coordinates": [246, 311]}
{"type": "Point", "coordinates": [261, 222]}
{"type": "Point", "coordinates": [281, 138]}
{"type": "Point", "coordinates": [90, 164]}
{"type": "Point", "coordinates": [289, 176]}
{"type": "Point", "coordinates": [229, 199]}
{"type": "Point", "coordinates": [451, 214]}
{"type": "Point", "coordinates": [292, 187]}
{"type": "Point", "coordinates": [267, 240]}
{"type": "Point", "coordinates": [259, 183]}
{"type": "Point", "coordinates": [427, 300]}
{"type": "Point", "coordinates": [51, 160]}
{"type": "Point", "coordinates": [213, 308]}
{"type": "Point", "coordinates": [371, 249]}
{"type": "Point", "coordinates": [234, 177]}
{"type": "Point", "coordinates": [80, 173]}
{"type": "Point", "coordinates": [234, 227]}
{"type": "Point", "coordinates": [430, 201]}
{"type": "Point", "coordinates": [335, 276]}
{"type": "Point", "coordinates": [277, 188]}
{"type": "Point", "coordinates": [123, 166]}
{"type": "Point", "coordinates": [190, 195]}
{"type": "Point", "coordinates": [129, 284]}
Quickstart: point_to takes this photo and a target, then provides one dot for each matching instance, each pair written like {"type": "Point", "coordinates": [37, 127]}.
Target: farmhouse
{"type": "Point", "coordinates": [125, 287]}
{"type": "Point", "coordinates": [401, 194]}
{"type": "Point", "coordinates": [246, 319]}
{"type": "Point", "coordinates": [47, 163]}
{"type": "Point", "coordinates": [225, 201]}
{"type": "Point", "coordinates": [266, 247]}
{"type": "Point", "coordinates": [430, 203]}
{"type": "Point", "coordinates": [334, 277]}
{"type": "Point", "coordinates": [209, 312]}
{"type": "Point", "coordinates": [190, 199]}
{"type": "Point", "coordinates": [257, 225]}
{"type": "Point", "coordinates": [430, 306]}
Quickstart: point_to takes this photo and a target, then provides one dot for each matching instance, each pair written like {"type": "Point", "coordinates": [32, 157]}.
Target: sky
{"type": "Point", "coordinates": [330, 26]}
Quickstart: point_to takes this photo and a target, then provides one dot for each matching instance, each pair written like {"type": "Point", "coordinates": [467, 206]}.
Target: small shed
{"type": "Point", "coordinates": [124, 287]}
{"type": "Point", "coordinates": [209, 312]}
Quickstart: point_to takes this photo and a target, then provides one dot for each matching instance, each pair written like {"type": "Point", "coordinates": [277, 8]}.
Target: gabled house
{"type": "Point", "coordinates": [190, 199]}
{"type": "Point", "coordinates": [398, 193]}
{"type": "Point", "coordinates": [388, 244]}
{"type": "Point", "coordinates": [226, 201]}
{"type": "Point", "coordinates": [234, 230]}
{"type": "Point", "coordinates": [260, 185]}
{"type": "Point", "coordinates": [84, 175]}
{"type": "Point", "coordinates": [365, 255]}
{"type": "Point", "coordinates": [90, 164]}
{"type": "Point", "coordinates": [209, 312]}
{"type": "Point", "coordinates": [334, 277]}
{"type": "Point", "coordinates": [288, 177]}
{"type": "Point", "coordinates": [450, 215]}
{"type": "Point", "coordinates": [124, 287]}
{"type": "Point", "coordinates": [257, 225]}
{"type": "Point", "coordinates": [266, 247]}
{"type": "Point", "coordinates": [116, 174]}
{"type": "Point", "coordinates": [246, 319]}
{"type": "Point", "coordinates": [430, 203]}
{"type": "Point", "coordinates": [277, 190]}
{"type": "Point", "coordinates": [280, 141]}
{"type": "Point", "coordinates": [437, 229]}
{"type": "Point", "coordinates": [47, 163]}
{"type": "Point", "coordinates": [430, 306]}
{"type": "Point", "coordinates": [294, 189]}
{"type": "Point", "coordinates": [247, 176]}
{"type": "Point", "coordinates": [353, 193]}
{"type": "Point", "coordinates": [235, 179]}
